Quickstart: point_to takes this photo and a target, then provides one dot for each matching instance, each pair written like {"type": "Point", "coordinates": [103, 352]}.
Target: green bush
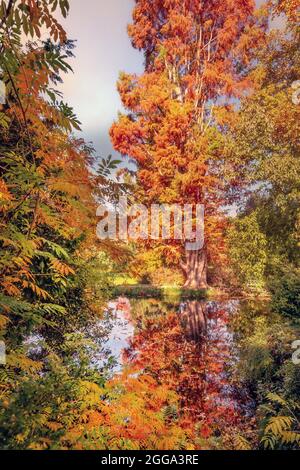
{"type": "Point", "coordinates": [285, 290]}
{"type": "Point", "coordinates": [247, 252]}
{"type": "Point", "coordinates": [166, 293]}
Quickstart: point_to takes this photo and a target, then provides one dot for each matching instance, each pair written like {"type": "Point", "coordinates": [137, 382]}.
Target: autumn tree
{"type": "Point", "coordinates": [196, 60]}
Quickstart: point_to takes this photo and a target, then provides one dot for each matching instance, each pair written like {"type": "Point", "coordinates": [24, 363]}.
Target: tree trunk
{"type": "Point", "coordinates": [195, 269]}
{"type": "Point", "coordinates": [193, 319]}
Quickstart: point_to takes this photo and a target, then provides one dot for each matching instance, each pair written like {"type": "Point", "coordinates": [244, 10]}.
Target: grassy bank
{"type": "Point", "coordinates": [175, 293]}
{"type": "Point", "coordinates": [148, 291]}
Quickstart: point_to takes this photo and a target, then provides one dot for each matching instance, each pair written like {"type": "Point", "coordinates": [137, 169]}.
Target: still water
{"type": "Point", "coordinates": [191, 346]}
{"type": "Point", "coordinates": [174, 373]}
{"type": "Point", "coordinates": [173, 367]}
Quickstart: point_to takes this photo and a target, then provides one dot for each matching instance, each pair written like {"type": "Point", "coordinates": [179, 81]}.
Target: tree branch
{"type": "Point", "coordinates": [7, 13]}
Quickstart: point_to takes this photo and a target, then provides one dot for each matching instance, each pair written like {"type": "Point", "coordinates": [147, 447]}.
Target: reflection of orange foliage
{"type": "Point", "coordinates": [174, 393]}
{"type": "Point", "coordinates": [124, 306]}
{"type": "Point", "coordinates": [196, 371]}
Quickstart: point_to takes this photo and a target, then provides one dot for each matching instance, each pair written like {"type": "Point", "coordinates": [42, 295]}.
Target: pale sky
{"type": "Point", "coordinates": [103, 50]}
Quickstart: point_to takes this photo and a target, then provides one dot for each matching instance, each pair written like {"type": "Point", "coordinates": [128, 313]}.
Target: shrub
{"type": "Point", "coordinates": [247, 251]}
{"type": "Point", "coordinates": [285, 290]}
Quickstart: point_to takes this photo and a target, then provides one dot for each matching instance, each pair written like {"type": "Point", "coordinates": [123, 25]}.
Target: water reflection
{"type": "Point", "coordinates": [175, 373]}
{"type": "Point", "coordinates": [193, 318]}
{"type": "Point", "coordinates": [188, 347]}
{"type": "Point", "coordinates": [119, 330]}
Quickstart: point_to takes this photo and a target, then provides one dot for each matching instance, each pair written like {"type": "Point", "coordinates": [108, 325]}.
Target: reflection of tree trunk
{"type": "Point", "coordinates": [193, 318]}
{"type": "Point", "coordinates": [195, 269]}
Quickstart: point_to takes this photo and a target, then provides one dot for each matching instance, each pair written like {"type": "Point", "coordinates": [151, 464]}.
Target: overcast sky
{"type": "Point", "coordinates": [103, 50]}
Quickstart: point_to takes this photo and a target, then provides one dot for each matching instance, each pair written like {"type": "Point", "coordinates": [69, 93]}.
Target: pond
{"type": "Point", "coordinates": [177, 373]}
{"type": "Point", "coordinates": [192, 347]}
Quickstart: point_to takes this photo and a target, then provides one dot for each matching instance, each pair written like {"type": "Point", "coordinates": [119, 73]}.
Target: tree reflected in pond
{"type": "Point", "coordinates": [186, 350]}
{"type": "Point", "coordinates": [193, 319]}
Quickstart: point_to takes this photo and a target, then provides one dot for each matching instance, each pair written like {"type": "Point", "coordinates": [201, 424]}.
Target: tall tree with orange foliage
{"type": "Point", "coordinates": [196, 62]}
